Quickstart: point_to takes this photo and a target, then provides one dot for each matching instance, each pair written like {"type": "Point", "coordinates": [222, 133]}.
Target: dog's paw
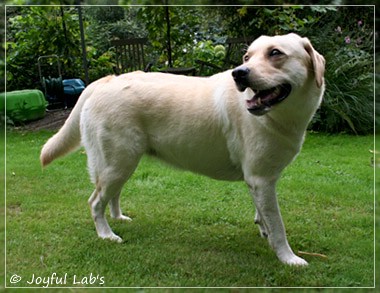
{"type": "Point", "coordinates": [123, 218]}
{"type": "Point", "coordinates": [295, 260]}
{"type": "Point", "coordinates": [113, 238]}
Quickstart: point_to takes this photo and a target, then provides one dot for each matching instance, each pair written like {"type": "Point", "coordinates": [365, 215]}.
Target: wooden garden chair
{"type": "Point", "coordinates": [130, 55]}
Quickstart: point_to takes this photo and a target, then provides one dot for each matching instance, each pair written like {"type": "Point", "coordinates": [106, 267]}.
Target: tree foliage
{"type": "Point", "coordinates": [39, 31]}
{"type": "Point", "coordinates": [344, 35]}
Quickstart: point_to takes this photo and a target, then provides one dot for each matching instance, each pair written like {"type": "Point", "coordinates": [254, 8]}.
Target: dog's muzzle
{"type": "Point", "coordinates": [264, 98]}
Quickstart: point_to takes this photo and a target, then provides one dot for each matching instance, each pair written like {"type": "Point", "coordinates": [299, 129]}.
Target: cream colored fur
{"type": "Point", "coordinates": [198, 124]}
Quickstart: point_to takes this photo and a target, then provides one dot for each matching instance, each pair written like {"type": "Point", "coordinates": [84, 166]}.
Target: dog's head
{"type": "Point", "coordinates": [274, 67]}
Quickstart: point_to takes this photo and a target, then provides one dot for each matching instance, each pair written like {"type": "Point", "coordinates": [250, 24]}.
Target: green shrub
{"type": "Point", "coordinates": [37, 31]}
{"type": "Point", "coordinates": [206, 51]}
{"type": "Point", "coordinates": [100, 66]}
{"type": "Point", "coordinates": [348, 104]}
{"type": "Point", "coordinates": [343, 34]}
{"type": "Point", "coordinates": [348, 101]}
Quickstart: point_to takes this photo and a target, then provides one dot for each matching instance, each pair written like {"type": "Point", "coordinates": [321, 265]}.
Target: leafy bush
{"type": "Point", "coordinates": [184, 23]}
{"type": "Point", "coordinates": [344, 35]}
{"type": "Point", "coordinates": [37, 31]}
{"type": "Point", "coordinates": [192, 29]}
{"type": "Point", "coordinates": [206, 51]}
{"type": "Point", "coordinates": [100, 66]}
{"type": "Point", "coordinates": [105, 24]}
{"type": "Point", "coordinates": [348, 103]}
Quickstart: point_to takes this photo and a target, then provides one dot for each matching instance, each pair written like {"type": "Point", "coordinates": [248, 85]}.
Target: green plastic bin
{"type": "Point", "coordinates": [24, 105]}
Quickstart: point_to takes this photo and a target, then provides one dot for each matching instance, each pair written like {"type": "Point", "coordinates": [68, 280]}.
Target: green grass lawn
{"type": "Point", "coordinates": [189, 230]}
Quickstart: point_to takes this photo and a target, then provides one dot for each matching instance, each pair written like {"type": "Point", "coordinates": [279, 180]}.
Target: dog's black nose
{"type": "Point", "coordinates": [240, 75]}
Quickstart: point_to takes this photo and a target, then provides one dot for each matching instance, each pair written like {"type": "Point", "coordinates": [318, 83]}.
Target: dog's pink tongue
{"type": "Point", "coordinates": [251, 103]}
{"type": "Point", "coordinates": [258, 99]}
{"type": "Point", "coordinates": [262, 96]}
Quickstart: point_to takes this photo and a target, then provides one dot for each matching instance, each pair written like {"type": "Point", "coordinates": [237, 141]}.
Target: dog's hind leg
{"type": "Point", "coordinates": [261, 224]}
{"type": "Point", "coordinates": [112, 158]}
{"type": "Point", "coordinates": [98, 202]}
{"type": "Point", "coordinates": [109, 183]}
{"type": "Point", "coordinates": [115, 209]}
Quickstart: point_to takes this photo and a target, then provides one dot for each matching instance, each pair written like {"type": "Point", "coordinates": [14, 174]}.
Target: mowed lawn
{"type": "Point", "coordinates": [189, 230]}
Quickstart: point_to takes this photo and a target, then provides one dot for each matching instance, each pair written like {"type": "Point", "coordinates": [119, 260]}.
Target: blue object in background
{"type": "Point", "coordinates": [73, 87]}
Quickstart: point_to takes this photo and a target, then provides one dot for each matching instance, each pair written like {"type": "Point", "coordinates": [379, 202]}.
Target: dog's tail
{"type": "Point", "coordinates": [67, 139]}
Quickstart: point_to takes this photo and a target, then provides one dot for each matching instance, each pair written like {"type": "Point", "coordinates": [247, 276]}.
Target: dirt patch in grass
{"type": "Point", "coordinates": [53, 120]}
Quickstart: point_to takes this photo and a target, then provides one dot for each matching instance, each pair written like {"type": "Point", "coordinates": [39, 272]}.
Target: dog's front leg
{"type": "Point", "coordinates": [269, 218]}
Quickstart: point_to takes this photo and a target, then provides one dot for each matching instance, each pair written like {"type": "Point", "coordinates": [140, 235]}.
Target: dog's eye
{"type": "Point", "coordinates": [246, 58]}
{"type": "Point", "coordinates": [275, 52]}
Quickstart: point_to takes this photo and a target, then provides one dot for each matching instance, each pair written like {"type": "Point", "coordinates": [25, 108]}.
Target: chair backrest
{"type": "Point", "coordinates": [130, 54]}
{"type": "Point", "coordinates": [236, 48]}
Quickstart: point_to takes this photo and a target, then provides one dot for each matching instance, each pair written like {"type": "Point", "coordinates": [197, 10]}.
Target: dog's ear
{"type": "Point", "coordinates": [317, 61]}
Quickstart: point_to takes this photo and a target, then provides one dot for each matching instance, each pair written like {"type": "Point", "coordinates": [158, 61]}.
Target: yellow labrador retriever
{"type": "Point", "coordinates": [242, 124]}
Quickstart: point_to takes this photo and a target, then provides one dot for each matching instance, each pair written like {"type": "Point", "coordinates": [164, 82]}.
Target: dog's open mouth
{"type": "Point", "coordinates": [263, 100]}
